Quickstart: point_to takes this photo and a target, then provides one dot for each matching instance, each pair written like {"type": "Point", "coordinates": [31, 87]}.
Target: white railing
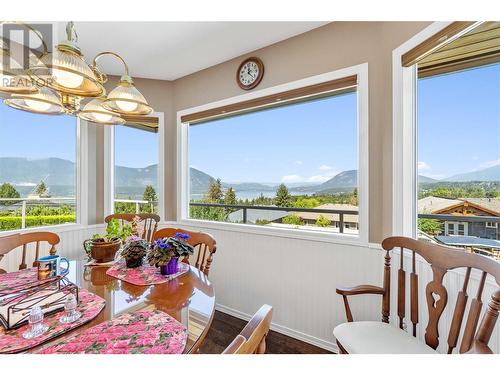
{"type": "Point", "coordinates": [138, 203]}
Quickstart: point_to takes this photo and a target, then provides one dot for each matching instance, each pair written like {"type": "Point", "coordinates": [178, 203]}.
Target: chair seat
{"type": "Point", "coordinates": [378, 338]}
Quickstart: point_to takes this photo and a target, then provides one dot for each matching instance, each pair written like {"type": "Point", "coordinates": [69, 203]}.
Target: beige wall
{"type": "Point", "coordinates": [333, 46]}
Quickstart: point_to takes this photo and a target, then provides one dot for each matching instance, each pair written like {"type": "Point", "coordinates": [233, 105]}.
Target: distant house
{"type": "Point", "coordinates": [351, 221]}
{"type": "Point", "coordinates": [255, 215]}
{"type": "Point", "coordinates": [464, 207]}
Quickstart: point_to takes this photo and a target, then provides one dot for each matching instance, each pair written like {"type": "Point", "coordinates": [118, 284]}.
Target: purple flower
{"type": "Point", "coordinates": [162, 244]}
{"type": "Point", "coordinates": [182, 236]}
{"type": "Point", "coordinates": [133, 238]}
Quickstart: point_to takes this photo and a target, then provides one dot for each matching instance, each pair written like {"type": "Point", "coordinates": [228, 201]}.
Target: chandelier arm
{"type": "Point", "coordinates": [37, 33]}
{"type": "Point", "coordinates": [99, 55]}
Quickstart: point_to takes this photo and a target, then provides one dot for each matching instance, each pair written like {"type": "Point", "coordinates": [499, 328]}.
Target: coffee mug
{"type": "Point", "coordinates": [50, 266]}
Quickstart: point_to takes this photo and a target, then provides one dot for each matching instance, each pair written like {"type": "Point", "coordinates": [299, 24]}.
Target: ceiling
{"type": "Point", "coordinates": [170, 50]}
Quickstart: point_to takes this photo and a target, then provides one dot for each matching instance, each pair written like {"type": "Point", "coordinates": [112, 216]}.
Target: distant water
{"type": "Point", "coordinates": [252, 194]}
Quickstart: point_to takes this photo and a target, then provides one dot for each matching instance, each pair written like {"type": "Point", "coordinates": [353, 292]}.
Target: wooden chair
{"type": "Point", "coordinates": [381, 337]}
{"type": "Point", "coordinates": [150, 223]}
{"type": "Point", "coordinates": [204, 244]}
{"type": "Point", "coordinates": [9, 243]}
{"type": "Point", "coordinates": [252, 339]}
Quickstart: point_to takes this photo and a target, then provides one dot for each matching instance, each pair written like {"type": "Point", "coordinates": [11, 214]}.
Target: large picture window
{"type": "Point", "coordinates": [136, 169]}
{"type": "Point", "coordinates": [286, 165]}
{"type": "Point", "coordinates": [38, 169]}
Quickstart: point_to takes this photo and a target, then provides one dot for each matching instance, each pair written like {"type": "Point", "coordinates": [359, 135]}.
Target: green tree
{"type": "Point", "coordinates": [292, 220]}
{"type": "Point", "coordinates": [8, 191]}
{"type": "Point", "coordinates": [306, 203]}
{"type": "Point", "coordinates": [430, 226]}
{"type": "Point", "coordinates": [354, 199]}
{"type": "Point", "coordinates": [230, 197]}
{"type": "Point", "coordinates": [214, 193]}
{"type": "Point", "coordinates": [150, 194]}
{"type": "Point", "coordinates": [283, 197]}
{"type": "Point", "coordinates": [41, 190]}
{"type": "Point", "coordinates": [322, 221]}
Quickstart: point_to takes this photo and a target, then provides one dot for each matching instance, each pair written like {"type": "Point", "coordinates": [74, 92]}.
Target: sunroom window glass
{"type": "Point", "coordinates": [136, 170]}
{"type": "Point", "coordinates": [38, 169]}
{"type": "Point", "coordinates": [287, 166]}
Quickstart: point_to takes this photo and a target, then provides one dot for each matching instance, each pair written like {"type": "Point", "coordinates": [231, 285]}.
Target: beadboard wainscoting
{"type": "Point", "coordinates": [71, 245]}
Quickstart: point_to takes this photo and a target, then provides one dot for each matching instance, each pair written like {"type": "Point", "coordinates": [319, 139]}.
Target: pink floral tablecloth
{"type": "Point", "coordinates": [14, 281]}
{"type": "Point", "coordinates": [13, 341]}
{"type": "Point", "coordinates": [143, 275]}
{"type": "Point", "coordinates": [142, 332]}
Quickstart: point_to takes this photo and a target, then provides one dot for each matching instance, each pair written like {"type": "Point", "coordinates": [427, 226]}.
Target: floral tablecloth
{"type": "Point", "coordinates": [145, 274]}
{"type": "Point", "coordinates": [12, 341]}
{"type": "Point", "coordinates": [14, 281]}
{"type": "Point", "coordinates": [142, 332]}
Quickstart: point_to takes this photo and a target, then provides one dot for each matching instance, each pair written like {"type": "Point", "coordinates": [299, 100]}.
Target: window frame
{"type": "Point", "coordinates": [109, 167]}
{"type": "Point", "coordinates": [361, 71]}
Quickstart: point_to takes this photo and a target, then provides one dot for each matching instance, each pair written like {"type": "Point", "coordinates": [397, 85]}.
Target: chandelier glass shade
{"type": "Point", "coordinates": [44, 101]}
{"type": "Point", "coordinates": [126, 99]}
{"type": "Point", "coordinates": [59, 82]}
{"type": "Point", "coordinates": [95, 112]}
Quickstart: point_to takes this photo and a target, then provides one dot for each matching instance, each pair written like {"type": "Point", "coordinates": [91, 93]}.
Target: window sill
{"type": "Point", "coordinates": [299, 234]}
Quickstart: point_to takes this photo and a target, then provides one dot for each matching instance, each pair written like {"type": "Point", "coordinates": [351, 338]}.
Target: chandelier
{"type": "Point", "coordinates": [60, 82]}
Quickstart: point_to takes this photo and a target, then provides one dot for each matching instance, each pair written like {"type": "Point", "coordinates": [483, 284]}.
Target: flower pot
{"type": "Point", "coordinates": [102, 251]}
{"type": "Point", "coordinates": [170, 268]}
{"type": "Point", "coordinates": [133, 262]}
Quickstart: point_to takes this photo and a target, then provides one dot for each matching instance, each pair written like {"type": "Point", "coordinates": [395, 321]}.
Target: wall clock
{"type": "Point", "coordinates": [250, 73]}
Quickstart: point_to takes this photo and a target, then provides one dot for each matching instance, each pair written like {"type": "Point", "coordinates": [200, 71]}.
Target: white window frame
{"type": "Point", "coordinates": [491, 224]}
{"type": "Point", "coordinates": [109, 167]}
{"type": "Point", "coordinates": [361, 71]}
{"type": "Point", "coordinates": [455, 225]}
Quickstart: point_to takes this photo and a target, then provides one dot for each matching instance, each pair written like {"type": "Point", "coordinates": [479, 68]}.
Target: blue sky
{"type": "Point", "coordinates": [459, 122]}
{"type": "Point", "coordinates": [458, 125]}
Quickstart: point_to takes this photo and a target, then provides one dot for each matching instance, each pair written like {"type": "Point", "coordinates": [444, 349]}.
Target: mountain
{"type": "Point", "coordinates": [426, 180]}
{"type": "Point", "coordinates": [199, 181]}
{"type": "Point", "coordinates": [23, 171]}
{"type": "Point", "coordinates": [487, 174]}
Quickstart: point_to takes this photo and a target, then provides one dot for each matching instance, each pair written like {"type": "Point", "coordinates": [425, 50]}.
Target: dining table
{"type": "Point", "coordinates": [189, 299]}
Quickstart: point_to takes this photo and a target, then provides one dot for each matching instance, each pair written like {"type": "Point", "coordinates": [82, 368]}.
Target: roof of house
{"type": "Point", "coordinates": [432, 204]}
{"type": "Point", "coordinates": [348, 218]}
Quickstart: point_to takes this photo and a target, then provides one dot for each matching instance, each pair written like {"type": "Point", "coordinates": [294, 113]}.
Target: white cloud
{"type": "Point", "coordinates": [325, 168]}
{"type": "Point", "coordinates": [490, 163]}
{"type": "Point", "coordinates": [319, 178]}
{"type": "Point", "coordinates": [292, 178]}
{"type": "Point", "coordinates": [299, 162]}
{"type": "Point", "coordinates": [422, 165]}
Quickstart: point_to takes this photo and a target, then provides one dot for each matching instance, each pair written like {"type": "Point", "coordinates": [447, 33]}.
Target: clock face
{"type": "Point", "coordinates": [250, 73]}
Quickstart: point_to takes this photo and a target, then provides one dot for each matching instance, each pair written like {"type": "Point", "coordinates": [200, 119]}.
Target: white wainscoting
{"type": "Point", "coordinates": [298, 278]}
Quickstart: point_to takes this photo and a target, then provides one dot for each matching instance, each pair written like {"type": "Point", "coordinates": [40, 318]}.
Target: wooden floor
{"type": "Point", "coordinates": [225, 328]}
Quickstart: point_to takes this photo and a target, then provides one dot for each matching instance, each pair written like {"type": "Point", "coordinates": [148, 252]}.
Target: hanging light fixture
{"type": "Point", "coordinates": [95, 112]}
{"type": "Point", "coordinates": [43, 102]}
{"type": "Point", "coordinates": [67, 81]}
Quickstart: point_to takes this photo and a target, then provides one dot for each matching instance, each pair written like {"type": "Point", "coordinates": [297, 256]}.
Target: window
{"type": "Point", "coordinates": [136, 155]}
{"type": "Point", "coordinates": [280, 164]}
{"type": "Point", "coordinates": [38, 169]}
{"type": "Point", "coordinates": [456, 228]}
{"type": "Point", "coordinates": [490, 224]}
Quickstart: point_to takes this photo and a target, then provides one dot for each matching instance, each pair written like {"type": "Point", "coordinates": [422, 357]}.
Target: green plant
{"type": "Point", "coordinates": [292, 220]}
{"type": "Point", "coordinates": [262, 222]}
{"type": "Point", "coordinates": [14, 222]}
{"type": "Point", "coordinates": [165, 249]}
{"type": "Point", "coordinates": [115, 231]}
{"type": "Point", "coordinates": [135, 248]}
{"type": "Point", "coordinates": [322, 221]}
{"type": "Point", "coordinates": [430, 226]}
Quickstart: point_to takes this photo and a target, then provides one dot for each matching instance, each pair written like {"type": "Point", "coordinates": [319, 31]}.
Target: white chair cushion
{"type": "Point", "coordinates": [378, 338]}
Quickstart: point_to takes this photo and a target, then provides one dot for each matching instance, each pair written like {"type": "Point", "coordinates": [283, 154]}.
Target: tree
{"type": "Point", "coordinates": [430, 226]}
{"type": "Point", "coordinates": [41, 190]}
{"type": "Point", "coordinates": [150, 194]}
{"type": "Point", "coordinates": [354, 198]}
{"type": "Point", "coordinates": [306, 203]}
{"type": "Point", "coordinates": [283, 197]}
{"type": "Point", "coordinates": [214, 193]}
{"type": "Point", "coordinates": [8, 191]}
{"type": "Point", "coordinates": [322, 221]}
{"type": "Point", "coordinates": [230, 197]}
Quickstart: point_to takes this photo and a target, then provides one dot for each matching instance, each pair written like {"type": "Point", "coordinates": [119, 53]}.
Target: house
{"type": "Point", "coordinates": [464, 208]}
{"type": "Point", "coordinates": [351, 221]}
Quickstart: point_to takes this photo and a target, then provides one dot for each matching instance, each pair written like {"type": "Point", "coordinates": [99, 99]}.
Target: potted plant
{"type": "Point", "coordinates": [103, 248]}
{"type": "Point", "coordinates": [134, 251]}
{"type": "Point", "coordinates": [166, 252]}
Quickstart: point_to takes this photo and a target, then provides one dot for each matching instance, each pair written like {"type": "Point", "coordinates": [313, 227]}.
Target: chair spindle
{"type": "Point", "coordinates": [458, 314]}
{"type": "Point", "coordinates": [414, 295]}
{"type": "Point", "coordinates": [401, 290]}
{"type": "Point", "coordinates": [473, 317]}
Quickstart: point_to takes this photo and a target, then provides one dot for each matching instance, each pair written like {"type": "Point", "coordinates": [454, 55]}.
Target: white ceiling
{"type": "Point", "coordinates": [170, 50]}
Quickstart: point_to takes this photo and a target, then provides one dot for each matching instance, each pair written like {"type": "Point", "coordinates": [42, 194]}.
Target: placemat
{"type": "Point", "coordinates": [145, 274]}
{"type": "Point", "coordinates": [142, 332]}
{"type": "Point", "coordinates": [12, 341]}
{"type": "Point", "coordinates": [14, 281]}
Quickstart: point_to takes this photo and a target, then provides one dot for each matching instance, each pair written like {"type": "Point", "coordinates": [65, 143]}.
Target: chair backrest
{"type": "Point", "coordinates": [9, 243]}
{"type": "Point", "coordinates": [148, 223]}
{"type": "Point", "coordinates": [204, 245]}
{"type": "Point", "coordinates": [252, 339]}
{"type": "Point", "coordinates": [442, 259]}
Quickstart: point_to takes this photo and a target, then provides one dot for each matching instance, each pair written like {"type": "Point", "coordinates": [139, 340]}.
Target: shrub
{"type": "Point", "coordinates": [323, 221]}
{"type": "Point", "coordinates": [262, 222]}
{"type": "Point", "coordinates": [14, 222]}
{"type": "Point", "coordinates": [292, 220]}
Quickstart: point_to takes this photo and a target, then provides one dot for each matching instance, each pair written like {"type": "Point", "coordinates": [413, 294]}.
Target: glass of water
{"type": "Point", "coordinates": [36, 326]}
